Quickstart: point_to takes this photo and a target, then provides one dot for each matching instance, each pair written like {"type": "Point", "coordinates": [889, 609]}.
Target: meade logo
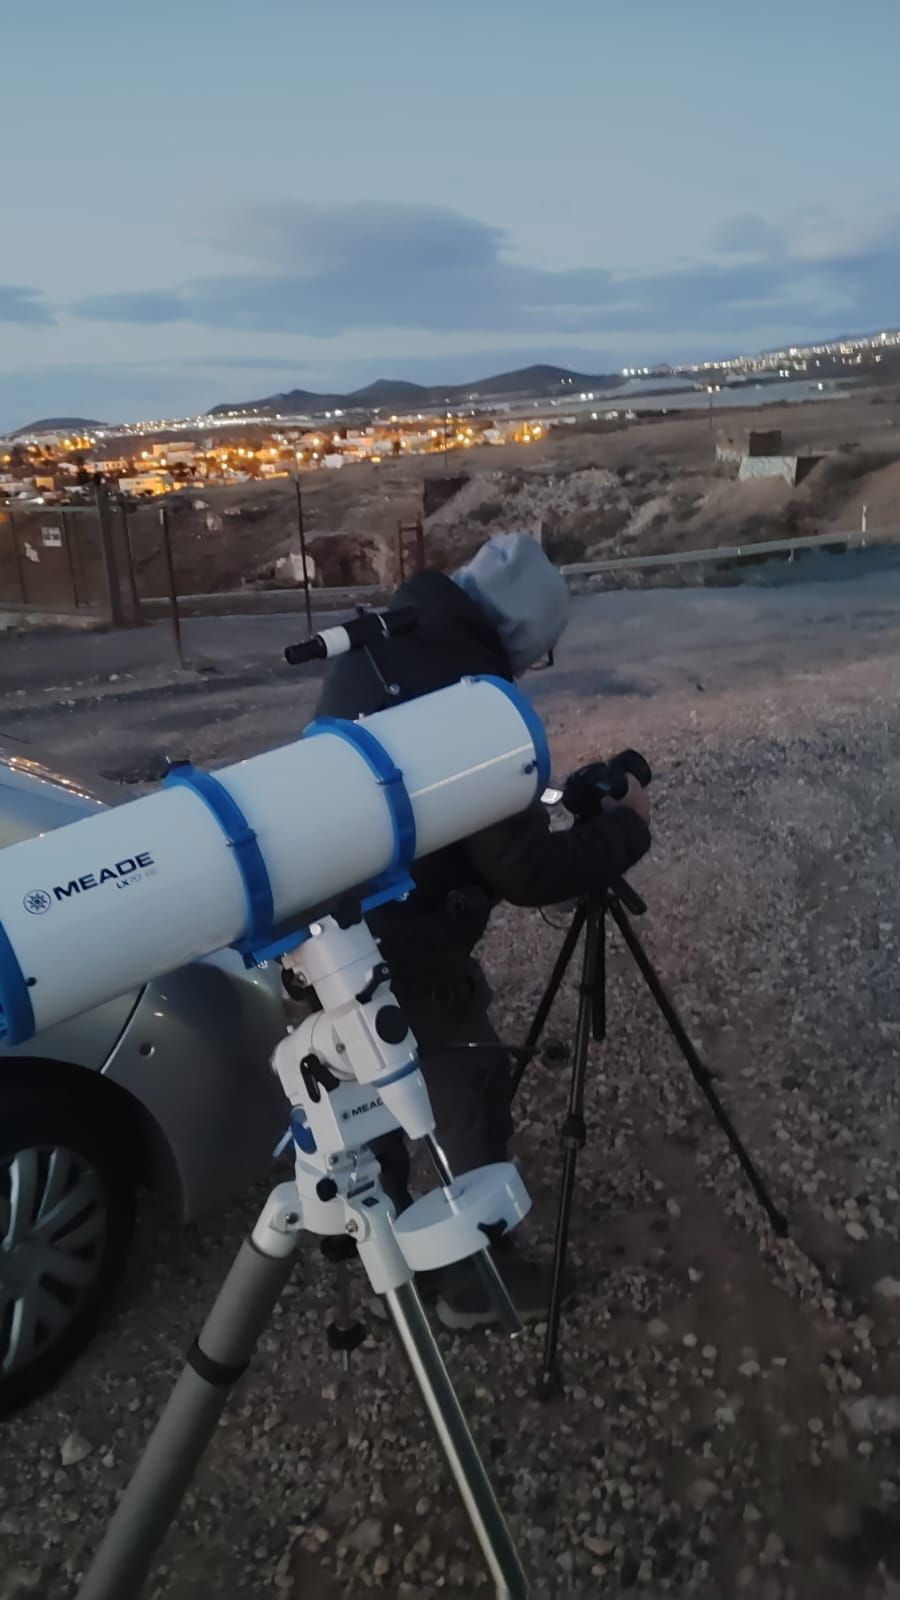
{"type": "Point", "coordinates": [121, 873]}
{"type": "Point", "coordinates": [368, 1105]}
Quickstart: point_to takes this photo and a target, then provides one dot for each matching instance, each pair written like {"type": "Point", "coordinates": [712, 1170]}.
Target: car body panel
{"type": "Point", "coordinates": [211, 1028]}
{"type": "Point", "coordinates": [192, 1047]}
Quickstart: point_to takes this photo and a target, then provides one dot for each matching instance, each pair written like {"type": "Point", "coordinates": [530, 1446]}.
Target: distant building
{"type": "Point", "coordinates": [147, 483]}
{"type": "Point", "coordinates": [760, 454]}
{"type": "Point", "coordinates": [749, 442]}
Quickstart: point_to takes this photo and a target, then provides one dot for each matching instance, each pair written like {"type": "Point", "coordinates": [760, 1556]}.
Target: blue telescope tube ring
{"type": "Point", "coordinates": [532, 722]}
{"type": "Point", "coordinates": [244, 843]}
{"type": "Point", "coordinates": [389, 776]}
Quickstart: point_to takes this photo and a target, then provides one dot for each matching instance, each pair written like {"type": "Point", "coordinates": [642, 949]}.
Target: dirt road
{"type": "Point", "coordinates": [730, 1419]}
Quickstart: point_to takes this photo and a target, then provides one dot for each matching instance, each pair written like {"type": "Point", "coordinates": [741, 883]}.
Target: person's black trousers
{"type": "Point", "coordinates": [470, 1090]}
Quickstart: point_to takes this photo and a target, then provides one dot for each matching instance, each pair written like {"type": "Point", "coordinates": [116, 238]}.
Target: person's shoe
{"type": "Point", "coordinates": [464, 1304]}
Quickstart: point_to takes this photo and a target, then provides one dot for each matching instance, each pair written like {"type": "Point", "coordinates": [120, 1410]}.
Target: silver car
{"type": "Point", "coordinates": [167, 1087]}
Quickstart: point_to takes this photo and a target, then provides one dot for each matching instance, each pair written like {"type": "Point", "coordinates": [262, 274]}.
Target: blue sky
{"type": "Point", "coordinates": [206, 199]}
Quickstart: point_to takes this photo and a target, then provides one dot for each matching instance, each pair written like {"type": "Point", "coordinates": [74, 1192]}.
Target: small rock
{"type": "Point", "coordinates": [709, 1352]}
{"type": "Point", "coordinates": [855, 1230]}
{"type": "Point", "coordinates": [695, 1275]}
{"type": "Point", "coordinates": [752, 1513]}
{"type": "Point", "coordinates": [689, 1341]}
{"type": "Point", "coordinates": [725, 1416]}
{"type": "Point", "coordinates": [816, 1425]}
{"type": "Point", "coordinates": [873, 1413]}
{"type": "Point", "coordinates": [73, 1449]}
{"type": "Point", "coordinates": [382, 1566]}
{"type": "Point", "coordinates": [673, 1208]}
{"type": "Point", "coordinates": [700, 1493]}
{"type": "Point", "coordinates": [749, 1369]}
{"type": "Point", "coordinates": [746, 1577]}
{"type": "Point", "coordinates": [888, 1288]}
{"type": "Point", "coordinates": [657, 1329]}
{"type": "Point", "coordinates": [598, 1547]}
{"type": "Point", "coordinates": [773, 1549]}
{"type": "Point", "coordinates": [366, 1536]}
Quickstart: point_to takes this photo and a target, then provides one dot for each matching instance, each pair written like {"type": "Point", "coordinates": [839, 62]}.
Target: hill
{"type": "Point", "coordinates": [55, 424]}
{"type": "Point", "coordinates": [525, 383]}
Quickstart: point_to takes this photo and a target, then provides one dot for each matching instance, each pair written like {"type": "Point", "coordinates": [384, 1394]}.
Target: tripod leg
{"type": "Point", "coordinates": [456, 1442]}
{"type": "Point", "coordinates": [219, 1356]}
{"type": "Point", "coordinates": [560, 966]}
{"type": "Point", "coordinates": [573, 1136]}
{"type": "Point", "coordinates": [700, 1073]}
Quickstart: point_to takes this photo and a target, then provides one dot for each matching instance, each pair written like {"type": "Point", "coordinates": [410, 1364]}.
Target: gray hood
{"type": "Point", "coordinates": [521, 593]}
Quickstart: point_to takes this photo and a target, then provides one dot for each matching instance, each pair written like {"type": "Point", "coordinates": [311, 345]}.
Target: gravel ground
{"type": "Point", "coordinates": [732, 1404]}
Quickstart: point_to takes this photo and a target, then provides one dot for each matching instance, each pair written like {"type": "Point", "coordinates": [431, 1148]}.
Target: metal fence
{"type": "Point", "coordinates": [52, 559]}
{"type": "Point", "coordinates": [855, 539]}
{"type": "Point", "coordinates": [107, 559]}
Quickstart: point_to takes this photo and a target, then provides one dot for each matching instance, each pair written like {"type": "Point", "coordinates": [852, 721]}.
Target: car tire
{"type": "Point", "coordinates": [67, 1206]}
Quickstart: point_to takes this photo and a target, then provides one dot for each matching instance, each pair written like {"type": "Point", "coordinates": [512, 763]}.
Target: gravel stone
{"type": "Point", "coordinates": [74, 1448]}
{"type": "Point", "coordinates": [367, 1536]}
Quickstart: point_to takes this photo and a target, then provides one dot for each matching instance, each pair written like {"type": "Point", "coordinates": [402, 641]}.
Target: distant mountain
{"type": "Point", "coordinates": [53, 424]}
{"type": "Point", "coordinates": [527, 383]}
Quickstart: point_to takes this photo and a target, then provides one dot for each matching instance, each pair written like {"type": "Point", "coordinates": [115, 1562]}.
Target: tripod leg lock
{"type": "Point", "coordinates": [218, 1373]}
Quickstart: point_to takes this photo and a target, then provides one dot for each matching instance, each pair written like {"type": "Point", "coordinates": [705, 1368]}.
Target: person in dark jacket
{"type": "Point", "coordinates": [500, 614]}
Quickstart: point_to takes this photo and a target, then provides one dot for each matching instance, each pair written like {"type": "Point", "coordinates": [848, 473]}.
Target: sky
{"type": "Point", "coordinates": [213, 200]}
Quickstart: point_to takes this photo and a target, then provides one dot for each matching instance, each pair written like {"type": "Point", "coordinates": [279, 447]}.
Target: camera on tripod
{"type": "Point", "coordinates": [588, 787]}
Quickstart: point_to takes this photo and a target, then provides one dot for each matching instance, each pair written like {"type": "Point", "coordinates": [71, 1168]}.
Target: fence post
{"type": "Point", "coordinates": [170, 574]}
{"type": "Point", "coordinates": [302, 533]}
{"type": "Point", "coordinates": [20, 571]}
{"type": "Point", "coordinates": [107, 544]}
{"type": "Point", "coordinates": [70, 558]}
{"type": "Point", "coordinates": [129, 557]}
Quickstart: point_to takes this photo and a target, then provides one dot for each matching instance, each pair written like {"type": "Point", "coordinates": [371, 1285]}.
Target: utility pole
{"type": "Point", "coordinates": [108, 550]}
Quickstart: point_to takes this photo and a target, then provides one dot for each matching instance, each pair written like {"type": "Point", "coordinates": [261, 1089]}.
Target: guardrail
{"type": "Point", "coordinates": [856, 537]}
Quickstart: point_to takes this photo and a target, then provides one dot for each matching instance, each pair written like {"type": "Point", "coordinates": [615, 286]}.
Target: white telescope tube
{"type": "Point", "coordinates": [105, 904]}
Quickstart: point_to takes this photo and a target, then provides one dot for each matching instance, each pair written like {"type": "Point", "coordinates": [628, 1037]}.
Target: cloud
{"type": "Point", "coordinates": [749, 234]}
{"type": "Point", "coordinates": [324, 272]}
{"type": "Point", "coordinates": [147, 305]}
{"type": "Point", "coordinates": [23, 305]}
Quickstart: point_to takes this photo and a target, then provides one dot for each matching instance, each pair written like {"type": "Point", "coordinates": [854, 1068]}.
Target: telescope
{"type": "Point", "coordinates": [281, 856]}
{"type": "Point", "coordinates": [248, 856]}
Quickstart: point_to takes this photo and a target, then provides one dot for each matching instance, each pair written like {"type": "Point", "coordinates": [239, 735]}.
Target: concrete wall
{"type": "Point", "coordinates": [768, 467]}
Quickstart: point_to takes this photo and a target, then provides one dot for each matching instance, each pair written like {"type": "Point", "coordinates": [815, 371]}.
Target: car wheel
{"type": "Point", "coordinates": [66, 1219]}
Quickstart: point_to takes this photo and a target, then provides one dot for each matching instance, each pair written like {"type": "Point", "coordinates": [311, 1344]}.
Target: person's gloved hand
{"type": "Point", "coordinates": [637, 799]}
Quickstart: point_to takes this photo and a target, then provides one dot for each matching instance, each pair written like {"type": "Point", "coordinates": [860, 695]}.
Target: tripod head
{"type": "Point", "coordinates": [586, 789]}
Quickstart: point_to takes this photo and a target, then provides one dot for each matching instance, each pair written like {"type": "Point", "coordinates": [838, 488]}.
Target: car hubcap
{"type": "Point", "coordinates": [52, 1232]}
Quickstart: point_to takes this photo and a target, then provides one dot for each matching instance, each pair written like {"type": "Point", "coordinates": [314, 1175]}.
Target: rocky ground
{"type": "Point", "coordinates": [731, 1414]}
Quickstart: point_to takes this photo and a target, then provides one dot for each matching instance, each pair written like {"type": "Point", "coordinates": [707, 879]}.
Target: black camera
{"type": "Point", "coordinates": [586, 789]}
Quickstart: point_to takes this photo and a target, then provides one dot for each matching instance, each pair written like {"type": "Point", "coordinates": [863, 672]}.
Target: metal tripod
{"type": "Point", "coordinates": [350, 1073]}
{"type": "Point", "coordinates": [590, 916]}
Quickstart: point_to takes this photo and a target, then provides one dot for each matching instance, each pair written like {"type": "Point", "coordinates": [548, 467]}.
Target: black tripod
{"type": "Point", "coordinates": [590, 915]}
